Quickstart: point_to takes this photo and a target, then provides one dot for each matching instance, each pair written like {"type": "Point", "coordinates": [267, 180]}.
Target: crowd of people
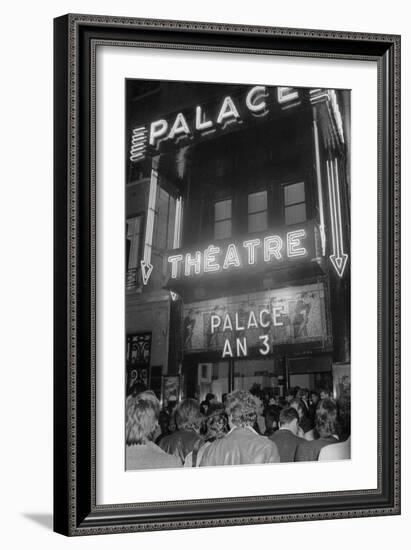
{"type": "Point", "coordinates": [245, 428]}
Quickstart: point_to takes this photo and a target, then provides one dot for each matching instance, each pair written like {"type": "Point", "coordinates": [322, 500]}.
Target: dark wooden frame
{"type": "Point", "coordinates": [76, 39]}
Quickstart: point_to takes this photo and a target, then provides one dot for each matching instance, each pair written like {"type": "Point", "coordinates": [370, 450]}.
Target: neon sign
{"type": "Point", "coordinates": [251, 324]}
{"type": "Point", "coordinates": [199, 122]}
{"type": "Point", "coordinates": [271, 249]}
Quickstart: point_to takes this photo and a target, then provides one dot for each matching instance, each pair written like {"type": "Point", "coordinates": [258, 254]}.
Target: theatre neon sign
{"type": "Point", "coordinates": [216, 258]}
{"type": "Point", "coordinates": [202, 120]}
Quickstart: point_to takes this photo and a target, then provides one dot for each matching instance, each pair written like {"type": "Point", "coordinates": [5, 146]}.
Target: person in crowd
{"type": "Point", "coordinates": [344, 415]}
{"type": "Point", "coordinates": [306, 428]}
{"type": "Point", "coordinates": [151, 396]}
{"type": "Point", "coordinates": [326, 427]}
{"type": "Point", "coordinates": [188, 420]}
{"type": "Point", "coordinates": [305, 401]}
{"type": "Point", "coordinates": [259, 425]}
{"type": "Point", "coordinates": [164, 423]}
{"type": "Point", "coordinates": [313, 401]}
{"type": "Point", "coordinates": [277, 403]}
{"type": "Point", "coordinates": [337, 451]}
{"type": "Point", "coordinates": [216, 423]}
{"type": "Point", "coordinates": [282, 402]}
{"type": "Point", "coordinates": [271, 417]}
{"type": "Point", "coordinates": [325, 393]}
{"type": "Point", "coordinates": [242, 445]}
{"type": "Point", "coordinates": [289, 395]}
{"type": "Point", "coordinates": [286, 437]}
{"type": "Point", "coordinates": [205, 405]}
{"type": "Point", "coordinates": [297, 392]}
{"type": "Point", "coordinates": [142, 412]}
{"type": "Point", "coordinates": [215, 427]}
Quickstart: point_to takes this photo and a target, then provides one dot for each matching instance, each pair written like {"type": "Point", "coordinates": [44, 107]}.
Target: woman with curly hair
{"type": "Point", "coordinates": [215, 427]}
{"type": "Point", "coordinates": [242, 444]}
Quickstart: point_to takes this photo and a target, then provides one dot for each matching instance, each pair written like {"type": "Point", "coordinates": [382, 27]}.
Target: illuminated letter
{"type": "Point", "coordinates": [252, 321]}
{"type": "Point", "coordinates": [253, 100]}
{"type": "Point", "coordinates": [228, 110]}
{"type": "Point", "coordinates": [294, 243]}
{"type": "Point", "coordinates": [201, 124]}
{"type": "Point", "coordinates": [227, 323]}
{"type": "Point", "coordinates": [277, 315]}
{"type": "Point", "coordinates": [265, 341]}
{"type": "Point", "coordinates": [242, 347]}
{"type": "Point", "coordinates": [236, 323]}
{"type": "Point", "coordinates": [231, 257]}
{"type": "Point", "coordinates": [265, 325]}
{"type": "Point", "coordinates": [209, 258]}
{"type": "Point", "coordinates": [157, 130]}
{"type": "Point", "coordinates": [227, 349]}
{"type": "Point", "coordinates": [272, 247]}
{"type": "Point", "coordinates": [284, 95]}
{"type": "Point", "coordinates": [215, 322]}
{"type": "Point", "coordinates": [174, 264]}
{"type": "Point", "coordinates": [179, 127]}
{"type": "Point", "coordinates": [190, 261]}
{"type": "Point", "coordinates": [251, 245]}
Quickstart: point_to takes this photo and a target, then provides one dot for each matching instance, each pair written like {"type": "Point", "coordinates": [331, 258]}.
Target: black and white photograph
{"type": "Point", "coordinates": [237, 274]}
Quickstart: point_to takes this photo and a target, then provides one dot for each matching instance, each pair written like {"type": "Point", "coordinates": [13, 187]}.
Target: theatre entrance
{"type": "Point", "coordinates": [275, 374]}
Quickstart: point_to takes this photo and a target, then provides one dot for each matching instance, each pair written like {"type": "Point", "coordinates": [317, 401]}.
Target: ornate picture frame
{"type": "Point", "coordinates": [76, 40]}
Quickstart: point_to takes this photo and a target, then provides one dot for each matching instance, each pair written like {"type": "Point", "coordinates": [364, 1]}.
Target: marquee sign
{"type": "Point", "coordinates": [272, 249]}
{"type": "Point", "coordinates": [252, 324]}
{"type": "Point", "coordinates": [203, 120]}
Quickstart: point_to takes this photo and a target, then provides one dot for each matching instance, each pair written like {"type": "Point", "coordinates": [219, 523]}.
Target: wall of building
{"type": "Point", "coordinates": [151, 314]}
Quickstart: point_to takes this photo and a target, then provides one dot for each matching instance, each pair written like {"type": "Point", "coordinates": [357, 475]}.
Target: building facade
{"type": "Point", "coordinates": [237, 237]}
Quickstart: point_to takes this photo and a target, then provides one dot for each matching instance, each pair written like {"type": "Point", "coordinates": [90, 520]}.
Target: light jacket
{"type": "Point", "coordinates": [240, 446]}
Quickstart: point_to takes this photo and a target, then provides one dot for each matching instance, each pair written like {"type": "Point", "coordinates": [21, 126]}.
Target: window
{"type": "Point", "coordinates": [222, 219]}
{"type": "Point", "coordinates": [133, 242]}
{"type": "Point", "coordinates": [257, 211]}
{"type": "Point", "coordinates": [294, 203]}
{"type": "Point", "coordinates": [164, 220]}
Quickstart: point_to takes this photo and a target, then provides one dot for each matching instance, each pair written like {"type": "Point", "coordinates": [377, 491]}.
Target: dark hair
{"type": "Point", "coordinates": [271, 413]}
{"type": "Point", "coordinates": [326, 418]}
{"type": "Point", "coordinates": [287, 415]}
{"type": "Point", "coordinates": [216, 423]}
{"type": "Point", "coordinates": [209, 397]}
{"type": "Point", "coordinates": [187, 415]}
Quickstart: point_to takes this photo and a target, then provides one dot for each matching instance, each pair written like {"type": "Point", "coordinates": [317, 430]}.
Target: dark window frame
{"type": "Point", "coordinates": [305, 201]}
{"type": "Point", "coordinates": [215, 221]}
{"type": "Point", "coordinates": [266, 210]}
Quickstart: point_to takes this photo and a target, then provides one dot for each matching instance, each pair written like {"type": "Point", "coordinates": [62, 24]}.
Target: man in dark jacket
{"type": "Point", "coordinates": [286, 437]}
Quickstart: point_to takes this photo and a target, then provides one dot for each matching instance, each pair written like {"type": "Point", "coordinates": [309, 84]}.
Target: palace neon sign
{"type": "Point", "coordinates": [199, 121]}
{"type": "Point", "coordinates": [231, 256]}
{"type": "Point", "coordinates": [262, 319]}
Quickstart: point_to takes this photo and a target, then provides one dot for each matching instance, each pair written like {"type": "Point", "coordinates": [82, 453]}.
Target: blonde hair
{"type": "Point", "coordinates": [241, 408]}
{"type": "Point", "coordinates": [141, 418]}
{"type": "Point", "coordinates": [187, 415]}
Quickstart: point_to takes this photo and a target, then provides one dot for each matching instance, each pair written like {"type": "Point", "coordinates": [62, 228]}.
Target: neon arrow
{"type": "Point", "coordinates": [146, 266]}
{"type": "Point", "coordinates": [338, 258]}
